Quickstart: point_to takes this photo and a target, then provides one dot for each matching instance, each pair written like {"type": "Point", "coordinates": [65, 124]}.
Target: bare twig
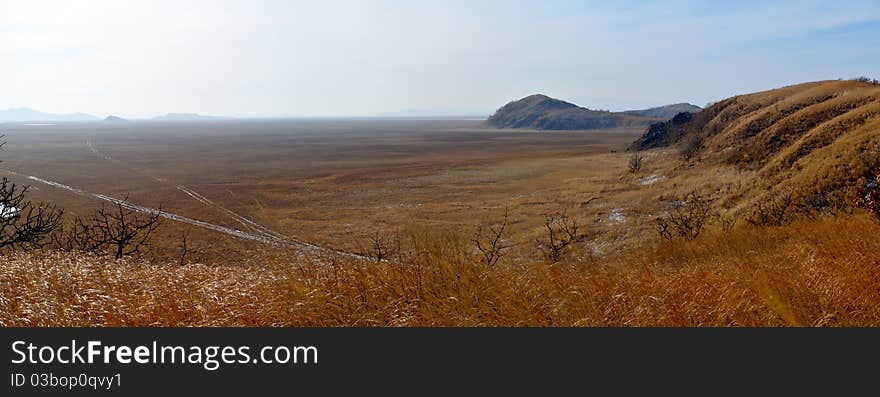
{"type": "Point", "coordinates": [490, 241]}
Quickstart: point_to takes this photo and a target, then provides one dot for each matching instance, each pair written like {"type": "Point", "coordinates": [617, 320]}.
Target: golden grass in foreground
{"type": "Point", "coordinates": [824, 272]}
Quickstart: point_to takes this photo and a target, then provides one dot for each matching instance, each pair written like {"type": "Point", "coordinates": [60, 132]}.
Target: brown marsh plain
{"type": "Point", "coordinates": [337, 183]}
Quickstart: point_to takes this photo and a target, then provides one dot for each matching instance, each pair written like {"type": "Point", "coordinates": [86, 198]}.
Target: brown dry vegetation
{"type": "Point", "coordinates": [788, 161]}
{"type": "Point", "coordinates": [823, 272]}
{"type": "Point", "coordinates": [336, 183]}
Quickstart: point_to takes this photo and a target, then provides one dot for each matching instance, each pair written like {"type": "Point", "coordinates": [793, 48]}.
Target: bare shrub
{"type": "Point", "coordinates": [868, 80]}
{"type": "Point", "coordinates": [691, 146]}
{"type": "Point", "coordinates": [777, 212]}
{"type": "Point", "coordinates": [116, 228]}
{"type": "Point", "coordinates": [686, 218]}
{"type": "Point", "coordinates": [124, 230]}
{"type": "Point", "coordinates": [868, 196]}
{"type": "Point", "coordinates": [727, 223]}
{"type": "Point", "coordinates": [25, 225]}
{"type": "Point", "coordinates": [490, 240]}
{"type": "Point", "coordinates": [184, 248]}
{"type": "Point", "coordinates": [562, 231]}
{"type": "Point", "coordinates": [635, 162]}
{"type": "Point", "coordinates": [78, 235]}
{"type": "Point", "coordinates": [382, 247]}
{"type": "Point", "coordinates": [818, 203]}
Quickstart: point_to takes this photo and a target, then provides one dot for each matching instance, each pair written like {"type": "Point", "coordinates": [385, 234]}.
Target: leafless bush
{"type": "Point", "coordinates": [562, 231]}
{"type": "Point", "coordinates": [184, 248]}
{"type": "Point", "coordinates": [635, 162]}
{"type": "Point", "coordinates": [819, 203]}
{"type": "Point", "coordinates": [124, 230]}
{"type": "Point", "coordinates": [727, 223]}
{"type": "Point", "coordinates": [77, 235]}
{"type": "Point", "coordinates": [116, 228]}
{"type": "Point", "coordinates": [868, 196]}
{"type": "Point", "coordinates": [490, 240]}
{"type": "Point", "coordinates": [868, 80]}
{"type": "Point", "coordinates": [691, 146]}
{"type": "Point", "coordinates": [687, 217]}
{"type": "Point", "coordinates": [775, 212]}
{"type": "Point", "coordinates": [382, 247]}
{"type": "Point", "coordinates": [25, 225]}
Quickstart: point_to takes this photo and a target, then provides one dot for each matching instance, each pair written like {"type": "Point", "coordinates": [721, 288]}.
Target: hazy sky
{"type": "Point", "coordinates": [330, 58]}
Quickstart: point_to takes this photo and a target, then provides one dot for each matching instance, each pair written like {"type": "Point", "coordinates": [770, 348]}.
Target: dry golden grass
{"type": "Point", "coordinates": [813, 273]}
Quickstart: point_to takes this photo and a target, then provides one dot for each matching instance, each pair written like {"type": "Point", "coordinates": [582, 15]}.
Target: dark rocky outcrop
{"type": "Point", "coordinates": [663, 133]}
{"type": "Point", "coordinates": [666, 112]}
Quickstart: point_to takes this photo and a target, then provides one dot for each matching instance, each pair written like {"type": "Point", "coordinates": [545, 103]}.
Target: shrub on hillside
{"type": "Point", "coordinates": [116, 229]}
{"type": "Point", "coordinates": [635, 162]}
{"type": "Point", "coordinates": [776, 212]}
{"type": "Point", "coordinates": [869, 196]}
{"type": "Point", "coordinates": [562, 232]}
{"type": "Point", "coordinates": [687, 217]}
{"type": "Point", "coordinates": [24, 224]}
{"type": "Point", "coordinates": [491, 240]}
{"type": "Point", "coordinates": [691, 146]}
{"type": "Point", "coordinates": [868, 80]}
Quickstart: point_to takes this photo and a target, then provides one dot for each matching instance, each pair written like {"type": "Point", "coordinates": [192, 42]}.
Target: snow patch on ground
{"type": "Point", "coordinates": [617, 215]}
{"type": "Point", "coordinates": [650, 180]}
{"type": "Point", "coordinates": [598, 247]}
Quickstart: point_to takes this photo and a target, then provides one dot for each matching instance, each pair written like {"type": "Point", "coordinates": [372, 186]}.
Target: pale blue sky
{"type": "Point", "coordinates": [361, 58]}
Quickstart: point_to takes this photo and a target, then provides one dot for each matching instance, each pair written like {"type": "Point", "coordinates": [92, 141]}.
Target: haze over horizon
{"type": "Point", "coordinates": [350, 58]}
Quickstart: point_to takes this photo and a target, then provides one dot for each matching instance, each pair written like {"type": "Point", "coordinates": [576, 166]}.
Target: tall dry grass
{"type": "Point", "coordinates": [823, 272]}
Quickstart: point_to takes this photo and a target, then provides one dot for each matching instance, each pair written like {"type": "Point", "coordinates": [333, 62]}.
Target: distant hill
{"type": "Point", "coordinates": [114, 119]}
{"type": "Point", "coordinates": [803, 140]}
{"type": "Point", "coordinates": [188, 117]}
{"type": "Point", "coordinates": [25, 114]}
{"type": "Point", "coordinates": [666, 112]}
{"type": "Point", "coordinates": [542, 112]}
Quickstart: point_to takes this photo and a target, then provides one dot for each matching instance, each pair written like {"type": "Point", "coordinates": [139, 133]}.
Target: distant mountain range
{"type": "Point", "coordinates": [542, 112]}
{"type": "Point", "coordinates": [19, 115]}
{"type": "Point", "coordinates": [25, 114]}
{"type": "Point", "coordinates": [535, 111]}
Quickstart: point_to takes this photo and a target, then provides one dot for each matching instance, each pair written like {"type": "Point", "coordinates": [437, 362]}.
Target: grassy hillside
{"type": "Point", "coordinates": [806, 140]}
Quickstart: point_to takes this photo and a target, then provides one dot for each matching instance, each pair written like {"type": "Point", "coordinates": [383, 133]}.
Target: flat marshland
{"type": "Point", "coordinates": [332, 182]}
{"type": "Point", "coordinates": [422, 188]}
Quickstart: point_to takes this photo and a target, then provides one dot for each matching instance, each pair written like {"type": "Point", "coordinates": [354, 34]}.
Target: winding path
{"type": "Point", "coordinates": [256, 228]}
{"type": "Point", "coordinates": [276, 240]}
